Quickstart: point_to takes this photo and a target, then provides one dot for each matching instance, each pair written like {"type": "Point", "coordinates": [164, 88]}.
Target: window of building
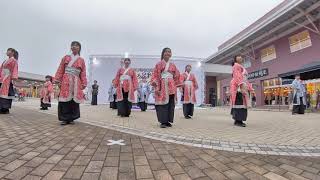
{"type": "Point", "coordinates": [300, 41]}
{"type": "Point", "coordinates": [268, 54]}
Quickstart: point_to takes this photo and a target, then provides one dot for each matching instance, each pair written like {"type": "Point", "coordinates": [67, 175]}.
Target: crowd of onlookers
{"type": "Point", "coordinates": [21, 94]}
{"type": "Point", "coordinates": [270, 99]}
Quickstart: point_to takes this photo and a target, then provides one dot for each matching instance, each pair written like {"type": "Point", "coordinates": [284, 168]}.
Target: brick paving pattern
{"type": "Point", "coordinates": [34, 146]}
{"type": "Point", "coordinates": [273, 133]}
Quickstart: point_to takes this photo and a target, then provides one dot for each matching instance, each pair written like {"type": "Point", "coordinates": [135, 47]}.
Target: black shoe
{"type": "Point", "coordinates": [63, 123]}
{"type": "Point", "coordinates": [187, 117]}
{"type": "Point", "coordinates": [6, 111]}
{"type": "Point", "coordinates": [241, 124]}
{"type": "Point", "coordinates": [3, 111]}
{"type": "Point", "coordinates": [168, 125]}
{"type": "Point", "coordinates": [163, 126]}
{"type": "Point", "coordinates": [237, 123]}
{"type": "Point", "coordinates": [71, 122]}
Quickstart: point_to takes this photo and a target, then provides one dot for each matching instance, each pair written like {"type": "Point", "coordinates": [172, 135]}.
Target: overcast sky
{"type": "Point", "coordinates": [42, 29]}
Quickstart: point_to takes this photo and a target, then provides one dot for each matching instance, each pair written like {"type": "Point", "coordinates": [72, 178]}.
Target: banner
{"type": "Point", "coordinates": [143, 73]}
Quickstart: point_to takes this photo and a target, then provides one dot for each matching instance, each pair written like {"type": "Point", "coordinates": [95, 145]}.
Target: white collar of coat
{"type": "Point", "coordinates": [126, 70]}
{"type": "Point", "coordinates": [74, 56]}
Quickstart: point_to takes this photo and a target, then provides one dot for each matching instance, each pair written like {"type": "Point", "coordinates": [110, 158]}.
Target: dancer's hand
{"type": "Point", "coordinates": [243, 88]}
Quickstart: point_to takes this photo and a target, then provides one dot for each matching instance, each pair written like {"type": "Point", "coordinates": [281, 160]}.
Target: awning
{"type": "Point", "coordinates": [308, 71]}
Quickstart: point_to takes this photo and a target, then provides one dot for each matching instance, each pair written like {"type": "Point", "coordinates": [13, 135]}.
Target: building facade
{"type": "Point", "coordinates": [30, 84]}
{"type": "Point", "coordinates": [284, 42]}
{"type": "Point", "coordinates": [264, 71]}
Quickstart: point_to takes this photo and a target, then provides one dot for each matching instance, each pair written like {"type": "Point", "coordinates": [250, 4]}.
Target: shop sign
{"type": "Point", "coordinates": [286, 81]}
{"type": "Point", "coordinates": [258, 74]}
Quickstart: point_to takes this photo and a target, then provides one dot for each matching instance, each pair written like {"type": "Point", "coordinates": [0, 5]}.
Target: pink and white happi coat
{"type": "Point", "coordinates": [46, 93]}
{"type": "Point", "coordinates": [127, 80]}
{"type": "Point", "coordinates": [190, 86]}
{"type": "Point", "coordinates": [165, 78]}
{"type": "Point", "coordinates": [8, 72]}
{"type": "Point", "coordinates": [239, 78]}
{"type": "Point", "coordinates": [71, 75]}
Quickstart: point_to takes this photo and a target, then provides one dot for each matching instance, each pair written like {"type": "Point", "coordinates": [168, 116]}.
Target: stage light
{"type": "Point", "coordinates": [199, 64]}
{"type": "Point", "coordinates": [126, 55]}
{"type": "Point", "coordinates": [95, 61]}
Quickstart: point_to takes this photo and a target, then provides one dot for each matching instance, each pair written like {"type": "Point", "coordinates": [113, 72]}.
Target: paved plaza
{"type": "Point", "coordinates": [34, 146]}
{"type": "Point", "coordinates": [268, 132]}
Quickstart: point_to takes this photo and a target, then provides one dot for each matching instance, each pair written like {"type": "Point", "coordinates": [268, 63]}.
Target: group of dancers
{"type": "Point", "coordinates": [166, 80]}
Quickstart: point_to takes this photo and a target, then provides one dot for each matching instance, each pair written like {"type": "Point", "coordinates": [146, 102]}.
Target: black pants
{"type": "Point", "coordinates": [299, 109]}
{"type": "Point", "coordinates": [94, 100]}
{"type": "Point", "coordinates": [239, 114]}
{"type": "Point", "coordinates": [5, 104]}
{"type": "Point", "coordinates": [165, 113]}
{"type": "Point", "coordinates": [44, 106]}
{"type": "Point", "coordinates": [68, 111]}
{"type": "Point", "coordinates": [113, 104]}
{"type": "Point", "coordinates": [188, 109]}
{"type": "Point", "coordinates": [143, 105]}
{"type": "Point", "coordinates": [124, 106]}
